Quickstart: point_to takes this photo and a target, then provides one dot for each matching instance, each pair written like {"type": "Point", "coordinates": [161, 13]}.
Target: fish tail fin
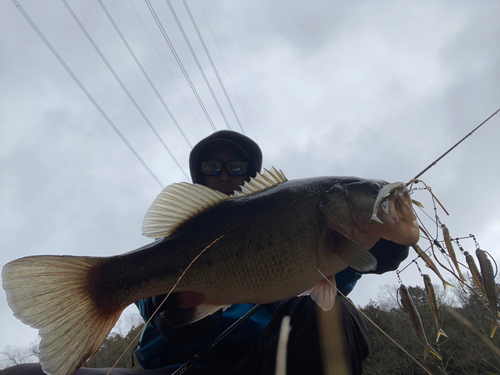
{"type": "Point", "coordinates": [446, 283]}
{"type": "Point", "coordinates": [54, 295]}
{"type": "Point", "coordinates": [428, 349]}
{"type": "Point", "coordinates": [496, 324]}
{"type": "Point", "coordinates": [462, 277]}
{"type": "Point", "coordinates": [440, 333]}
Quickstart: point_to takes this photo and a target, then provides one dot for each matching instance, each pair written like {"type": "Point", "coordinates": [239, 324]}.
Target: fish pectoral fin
{"type": "Point", "coordinates": [356, 256]}
{"type": "Point", "coordinates": [323, 293]}
{"type": "Point", "coordinates": [195, 314]}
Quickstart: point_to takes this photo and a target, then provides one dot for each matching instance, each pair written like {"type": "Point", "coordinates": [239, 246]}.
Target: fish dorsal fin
{"type": "Point", "coordinates": [261, 182]}
{"type": "Point", "coordinates": [176, 204]}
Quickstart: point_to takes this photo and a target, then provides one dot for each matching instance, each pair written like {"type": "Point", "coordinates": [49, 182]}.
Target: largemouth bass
{"type": "Point", "coordinates": [276, 235]}
{"type": "Point", "coordinates": [416, 322]}
{"type": "Point", "coordinates": [431, 298]}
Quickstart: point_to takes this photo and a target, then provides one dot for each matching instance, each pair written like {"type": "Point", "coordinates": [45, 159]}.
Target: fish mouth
{"type": "Point", "coordinates": [395, 211]}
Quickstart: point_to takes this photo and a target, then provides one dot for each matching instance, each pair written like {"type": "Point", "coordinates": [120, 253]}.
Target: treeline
{"type": "Point", "coordinates": [462, 352]}
{"type": "Point", "coordinates": [113, 348]}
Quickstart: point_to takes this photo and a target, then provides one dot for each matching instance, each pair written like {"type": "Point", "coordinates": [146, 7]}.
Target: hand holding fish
{"type": "Point", "coordinates": [178, 307]}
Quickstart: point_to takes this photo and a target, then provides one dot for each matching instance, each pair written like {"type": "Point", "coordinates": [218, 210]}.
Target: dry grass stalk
{"type": "Point", "coordinates": [333, 341]}
{"type": "Point", "coordinates": [282, 346]}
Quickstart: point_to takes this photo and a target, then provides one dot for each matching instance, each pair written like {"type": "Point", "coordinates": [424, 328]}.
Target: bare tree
{"type": "Point", "coordinates": [13, 355]}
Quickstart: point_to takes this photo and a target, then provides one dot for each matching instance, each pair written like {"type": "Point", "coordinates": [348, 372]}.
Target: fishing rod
{"type": "Point", "coordinates": [456, 144]}
{"type": "Point", "coordinates": [186, 366]}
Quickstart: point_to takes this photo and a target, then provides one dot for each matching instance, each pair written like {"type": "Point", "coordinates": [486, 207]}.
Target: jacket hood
{"type": "Point", "coordinates": [225, 138]}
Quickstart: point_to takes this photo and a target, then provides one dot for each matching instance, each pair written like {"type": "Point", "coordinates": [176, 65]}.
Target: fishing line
{"type": "Point", "coordinates": [376, 326]}
{"type": "Point", "coordinates": [433, 196]}
{"type": "Point", "coordinates": [456, 144]}
{"type": "Point", "coordinates": [419, 270]}
{"type": "Point", "coordinates": [433, 242]}
{"type": "Point", "coordinates": [161, 304]}
{"type": "Point", "coordinates": [426, 214]}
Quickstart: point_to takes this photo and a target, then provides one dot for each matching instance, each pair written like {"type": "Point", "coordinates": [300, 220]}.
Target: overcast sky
{"type": "Point", "coordinates": [375, 89]}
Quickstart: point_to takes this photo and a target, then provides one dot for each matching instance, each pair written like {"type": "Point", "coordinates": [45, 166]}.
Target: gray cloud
{"type": "Point", "coordinates": [373, 89]}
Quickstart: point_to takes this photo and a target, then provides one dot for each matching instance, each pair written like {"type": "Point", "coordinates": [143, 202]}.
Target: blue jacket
{"type": "Point", "coordinates": [154, 349]}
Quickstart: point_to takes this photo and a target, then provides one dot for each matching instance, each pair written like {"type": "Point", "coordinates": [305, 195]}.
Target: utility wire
{"type": "Point", "coordinates": [143, 71]}
{"type": "Point", "coordinates": [77, 20]}
{"type": "Point", "coordinates": [89, 96]}
{"type": "Point", "coordinates": [165, 64]}
{"type": "Point", "coordinates": [186, 75]}
{"type": "Point", "coordinates": [212, 63]}
{"type": "Point", "coordinates": [225, 65]}
{"type": "Point", "coordinates": [179, 25]}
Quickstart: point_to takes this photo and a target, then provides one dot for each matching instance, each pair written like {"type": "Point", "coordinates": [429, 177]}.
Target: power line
{"type": "Point", "coordinates": [165, 64]}
{"type": "Point", "coordinates": [212, 63]}
{"type": "Point", "coordinates": [167, 39]}
{"type": "Point", "coordinates": [136, 105]}
{"type": "Point", "coordinates": [179, 25]}
{"type": "Point", "coordinates": [225, 65]}
{"type": "Point", "coordinates": [143, 71]}
{"type": "Point", "coordinates": [89, 96]}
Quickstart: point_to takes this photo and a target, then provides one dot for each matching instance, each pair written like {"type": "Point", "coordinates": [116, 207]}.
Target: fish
{"type": "Point", "coordinates": [451, 251]}
{"type": "Point", "coordinates": [273, 237]}
{"type": "Point", "coordinates": [431, 298]}
{"type": "Point", "coordinates": [416, 322]}
{"type": "Point", "coordinates": [489, 286]}
{"type": "Point", "coordinates": [476, 276]}
{"type": "Point", "coordinates": [428, 261]}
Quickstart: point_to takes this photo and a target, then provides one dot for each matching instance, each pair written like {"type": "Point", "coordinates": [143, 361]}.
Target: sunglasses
{"type": "Point", "coordinates": [234, 168]}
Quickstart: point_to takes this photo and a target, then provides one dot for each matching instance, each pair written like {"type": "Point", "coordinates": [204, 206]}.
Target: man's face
{"type": "Point", "coordinates": [224, 182]}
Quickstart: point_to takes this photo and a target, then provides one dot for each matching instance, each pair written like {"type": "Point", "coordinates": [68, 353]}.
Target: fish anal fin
{"type": "Point", "coordinates": [56, 300]}
{"type": "Point", "coordinates": [323, 293]}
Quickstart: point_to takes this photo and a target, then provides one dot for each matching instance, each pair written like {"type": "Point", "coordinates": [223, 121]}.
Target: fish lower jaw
{"type": "Point", "coordinates": [403, 233]}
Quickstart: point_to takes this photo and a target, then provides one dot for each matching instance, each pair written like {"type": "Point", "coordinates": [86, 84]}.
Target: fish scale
{"type": "Point", "coordinates": [273, 237]}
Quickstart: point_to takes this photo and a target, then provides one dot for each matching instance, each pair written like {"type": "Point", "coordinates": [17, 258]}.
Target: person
{"type": "Point", "coordinates": [223, 161]}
